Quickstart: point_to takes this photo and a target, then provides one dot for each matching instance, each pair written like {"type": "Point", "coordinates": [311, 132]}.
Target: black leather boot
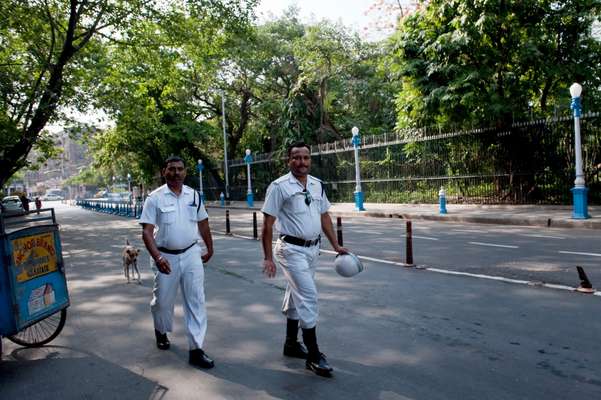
{"type": "Point", "coordinates": [162, 340]}
{"type": "Point", "coordinates": [198, 358]}
{"type": "Point", "coordinates": [316, 361]}
{"type": "Point", "coordinates": [292, 348]}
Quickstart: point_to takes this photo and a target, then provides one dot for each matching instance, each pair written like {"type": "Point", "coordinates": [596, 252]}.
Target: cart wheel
{"type": "Point", "coordinates": [41, 332]}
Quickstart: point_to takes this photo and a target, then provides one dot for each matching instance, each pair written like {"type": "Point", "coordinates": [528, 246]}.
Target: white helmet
{"type": "Point", "coordinates": [348, 265]}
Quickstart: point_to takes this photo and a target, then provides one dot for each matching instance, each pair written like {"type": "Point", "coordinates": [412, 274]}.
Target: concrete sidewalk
{"type": "Point", "coordinates": [528, 215]}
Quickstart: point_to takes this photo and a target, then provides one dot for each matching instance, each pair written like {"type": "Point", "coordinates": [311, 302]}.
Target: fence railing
{"type": "Point", "coordinates": [527, 163]}
{"type": "Point", "coordinates": [124, 209]}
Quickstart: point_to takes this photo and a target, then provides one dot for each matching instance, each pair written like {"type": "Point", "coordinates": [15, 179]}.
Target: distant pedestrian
{"type": "Point", "coordinates": [173, 221]}
{"type": "Point", "coordinates": [38, 204]}
{"type": "Point", "coordinates": [298, 205]}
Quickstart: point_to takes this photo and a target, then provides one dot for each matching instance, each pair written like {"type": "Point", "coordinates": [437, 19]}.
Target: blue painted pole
{"type": "Point", "coordinates": [579, 191]}
{"type": "Point", "coordinates": [200, 167]}
{"type": "Point", "coordinates": [222, 199]}
{"type": "Point", "coordinates": [249, 193]}
{"type": "Point", "coordinates": [358, 192]}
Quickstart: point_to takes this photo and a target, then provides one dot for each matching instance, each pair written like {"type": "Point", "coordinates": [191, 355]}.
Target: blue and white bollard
{"type": "Point", "coordinates": [442, 201]}
{"type": "Point", "coordinates": [249, 193]}
{"type": "Point", "coordinates": [222, 199]}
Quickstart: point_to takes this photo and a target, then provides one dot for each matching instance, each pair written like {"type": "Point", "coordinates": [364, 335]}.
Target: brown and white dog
{"type": "Point", "coordinates": [130, 259]}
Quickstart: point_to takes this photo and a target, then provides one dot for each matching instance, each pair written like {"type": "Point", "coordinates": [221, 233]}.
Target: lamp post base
{"type": "Point", "coordinates": [580, 210]}
{"type": "Point", "coordinates": [249, 199]}
{"type": "Point", "coordinates": [359, 201]}
{"type": "Point", "coordinates": [442, 205]}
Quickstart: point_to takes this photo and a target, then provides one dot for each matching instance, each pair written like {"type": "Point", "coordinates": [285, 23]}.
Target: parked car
{"type": "Point", "coordinates": [12, 205]}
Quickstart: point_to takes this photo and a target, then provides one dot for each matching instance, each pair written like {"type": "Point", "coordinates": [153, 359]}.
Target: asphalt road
{"type": "Point", "coordinates": [390, 333]}
{"type": "Point", "coordinates": [536, 254]}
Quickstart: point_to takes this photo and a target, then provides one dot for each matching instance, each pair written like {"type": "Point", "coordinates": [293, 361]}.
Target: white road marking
{"type": "Point", "coordinates": [425, 237]}
{"type": "Point", "coordinates": [507, 246]}
{"type": "Point", "coordinates": [578, 253]}
{"type": "Point", "coordinates": [469, 230]}
{"type": "Point", "coordinates": [421, 237]}
{"type": "Point", "coordinates": [491, 277]}
{"type": "Point", "coordinates": [449, 272]}
{"type": "Point", "coordinates": [543, 236]}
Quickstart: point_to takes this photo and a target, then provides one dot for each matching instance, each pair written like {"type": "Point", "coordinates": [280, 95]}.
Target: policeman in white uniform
{"type": "Point", "coordinates": [298, 205]}
{"type": "Point", "coordinates": [173, 220]}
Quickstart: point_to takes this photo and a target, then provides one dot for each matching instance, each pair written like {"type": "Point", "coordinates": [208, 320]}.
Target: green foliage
{"type": "Point", "coordinates": [465, 63]}
{"type": "Point", "coordinates": [88, 176]}
{"type": "Point", "coordinates": [54, 51]}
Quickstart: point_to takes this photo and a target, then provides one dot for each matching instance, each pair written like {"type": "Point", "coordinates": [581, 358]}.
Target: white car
{"type": "Point", "coordinates": [11, 205]}
{"type": "Point", "coordinates": [52, 197]}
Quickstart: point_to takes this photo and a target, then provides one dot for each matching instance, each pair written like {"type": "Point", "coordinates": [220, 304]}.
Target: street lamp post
{"type": "Point", "coordinates": [579, 191]}
{"type": "Point", "coordinates": [227, 184]}
{"type": "Point", "coordinates": [129, 186]}
{"type": "Point", "coordinates": [200, 166]}
{"type": "Point", "coordinates": [249, 193]}
{"type": "Point", "coordinates": [358, 192]}
{"type": "Point", "coordinates": [113, 183]}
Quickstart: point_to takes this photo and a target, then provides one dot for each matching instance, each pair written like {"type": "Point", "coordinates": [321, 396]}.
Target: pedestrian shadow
{"type": "Point", "coordinates": [58, 372]}
{"type": "Point", "coordinates": [290, 380]}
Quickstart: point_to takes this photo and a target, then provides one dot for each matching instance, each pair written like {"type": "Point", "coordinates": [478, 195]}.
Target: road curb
{"type": "Point", "coordinates": [541, 221]}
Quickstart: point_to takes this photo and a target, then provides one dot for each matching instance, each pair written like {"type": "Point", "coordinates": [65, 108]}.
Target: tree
{"type": "Point", "coordinates": [482, 62]}
{"type": "Point", "coordinates": [47, 46]}
{"type": "Point", "coordinates": [150, 90]}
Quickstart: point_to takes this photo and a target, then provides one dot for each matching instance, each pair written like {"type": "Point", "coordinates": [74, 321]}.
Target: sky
{"type": "Point", "coordinates": [350, 12]}
{"type": "Point", "coordinates": [357, 14]}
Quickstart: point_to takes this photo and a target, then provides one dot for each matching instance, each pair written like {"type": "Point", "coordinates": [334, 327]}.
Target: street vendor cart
{"type": "Point", "coordinates": [33, 286]}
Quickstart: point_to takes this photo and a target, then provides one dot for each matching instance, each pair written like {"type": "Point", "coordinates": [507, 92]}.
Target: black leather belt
{"type": "Point", "coordinates": [299, 241]}
{"type": "Point", "coordinates": [178, 251]}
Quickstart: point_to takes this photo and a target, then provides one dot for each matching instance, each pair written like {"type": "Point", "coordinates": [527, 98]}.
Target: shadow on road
{"type": "Point", "coordinates": [41, 374]}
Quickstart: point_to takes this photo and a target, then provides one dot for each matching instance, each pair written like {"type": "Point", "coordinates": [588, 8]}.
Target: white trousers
{"type": "Point", "coordinates": [298, 265]}
{"type": "Point", "coordinates": [187, 271]}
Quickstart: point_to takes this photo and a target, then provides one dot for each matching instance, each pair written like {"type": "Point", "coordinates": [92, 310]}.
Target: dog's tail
{"type": "Point", "coordinates": [127, 242]}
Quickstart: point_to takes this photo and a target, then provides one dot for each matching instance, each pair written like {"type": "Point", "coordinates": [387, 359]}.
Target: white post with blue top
{"type": "Point", "coordinates": [579, 191]}
{"type": "Point", "coordinates": [358, 193]}
{"type": "Point", "coordinates": [200, 166]}
{"type": "Point", "coordinates": [249, 193]}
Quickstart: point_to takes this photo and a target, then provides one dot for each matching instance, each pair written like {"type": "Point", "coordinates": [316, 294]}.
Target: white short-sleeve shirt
{"type": "Point", "coordinates": [286, 200]}
{"type": "Point", "coordinates": [175, 217]}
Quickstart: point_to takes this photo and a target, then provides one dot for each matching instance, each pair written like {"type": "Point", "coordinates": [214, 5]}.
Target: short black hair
{"type": "Point", "coordinates": [171, 159]}
{"type": "Point", "coordinates": [298, 143]}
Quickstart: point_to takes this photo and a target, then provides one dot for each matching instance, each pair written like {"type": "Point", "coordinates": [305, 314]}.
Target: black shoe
{"type": "Point", "coordinates": [198, 358]}
{"type": "Point", "coordinates": [320, 367]}
{"type": "Point", "coordinates": [295, 349]}
{"type": "Point", "coordinates": [162, 340]}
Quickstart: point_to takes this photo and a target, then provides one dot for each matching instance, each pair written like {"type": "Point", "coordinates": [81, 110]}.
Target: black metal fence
{"type": "Point", "coordinates": [528, 163]}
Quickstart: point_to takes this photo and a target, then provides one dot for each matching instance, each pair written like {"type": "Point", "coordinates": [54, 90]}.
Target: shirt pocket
{"type": "Point", "coordinates": [297, 203]}
{"type": "Point", "coordinates": [317, 203]}
{"type": "Point", "coordinates": [193, 213]}
{"type": "Point", "coordinates": [167, 215]}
